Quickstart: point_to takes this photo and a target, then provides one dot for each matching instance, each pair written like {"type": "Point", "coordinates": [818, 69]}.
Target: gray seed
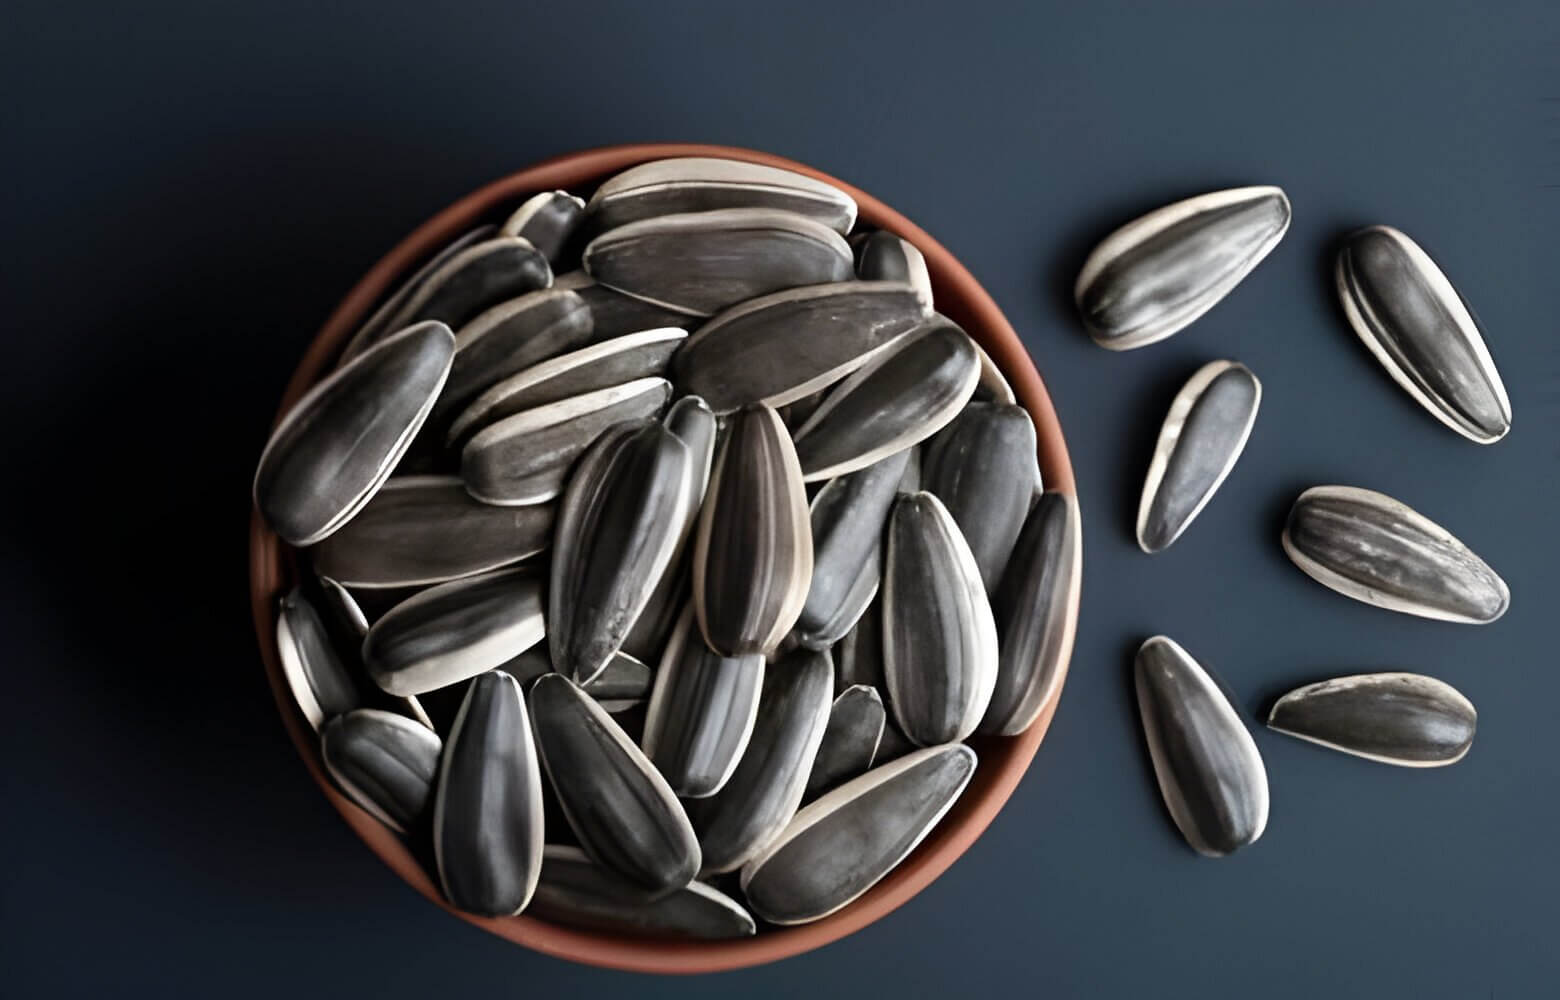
{"type": "Point", "coordinates": [375, 328]}
{"type": "Point", "coordinates": [625, 816]}
{"type": "Point", "coordinates": [982, 467]}
{"type": "Point", "coordinates": [882, 256]}
{"type": "Point", "coordinates": [782, 347]}
{"type": "Point", "coordinates": [578, 893]}
{"type": "Point", "coordinates": [858, 658]}
{"type": "Point", "coordinates": [1405, 719]}
{"type": "Point", "coordinates": [319, 678]}
{"type": "Point", "coordinates": [597, 366]}
{"type": "Point", "coordinates": [487, 811]}
{"type": "Point", "coordinates": [850, 740]}
{"type": "Point", "coordinates": [701, 712]}
{"type": "Point", "coordinates": [752, 554]}
{"type": "Point", "coordinates": [1423, 333]}
{"type": "Point", "coordinates": [547, 221]}
{"type": "Point", "coordinates": [511, 337]}
{"type": "Point", "coordinates": [1203, 434]}
{"type": "Point", "coordinates": [339, 442]}
{"type": "Point", "coordinates": [614, 314]}
{"type": "Point", "coordinates": [843, 844]}
{"type": "Point", "coordinates": [341, 609]}
{"type": "Point", "coordinates": [700, 184]}
{"type": "Point", "coordinates": [618, 525]}
{"type": "Point", "coordinates": [1157, 274]}
{"type": "Point", "coordinates": [901, 397]}
{"type": "Point", "coordinates": [454, 631]}
{"type": "Point", "coordinates": [474, 279]}
{"type": "Point", "coordinates": [1375, 549]}
{"type": "Point", "coordinates": [846, 519]}
{"type": "Point", "coordinates": [420, 530]}
{"type": "Point", "coordinates": [703, 262]}
{"type": "Point", "coordinates": [1036, 610]}
{"type": "Point", "coordinates": [384, 762]}
{"type": "Point", "coordinates": [692, 420]}
{"type": "Point", "coordinates": [939, 638]}
{"type": "Point", "coordinates": [766, 788]}
{"type": "Point", "coordinates": [526, 458]}
{"type": "Point", "coordinates": [1209, 770]}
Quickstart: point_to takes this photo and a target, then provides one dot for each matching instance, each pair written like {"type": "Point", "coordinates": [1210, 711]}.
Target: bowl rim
{"type": "Point", "coordinates": [1003, 761]}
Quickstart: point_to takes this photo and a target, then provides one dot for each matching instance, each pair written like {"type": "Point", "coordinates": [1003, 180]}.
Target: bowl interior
{"type": "Point", "coordinates": [1002, 760]}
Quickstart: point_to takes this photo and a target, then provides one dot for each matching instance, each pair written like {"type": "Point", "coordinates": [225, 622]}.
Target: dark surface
{"type": "Point", "coordinates": [191, 188]}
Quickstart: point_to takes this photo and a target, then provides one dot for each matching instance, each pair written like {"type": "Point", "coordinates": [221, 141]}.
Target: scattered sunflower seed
{"type": "Point", "coordinates": [1157, 274]}
{"type": "Point", "coordinates": [1405, 719]}
{"type": "Point", "coordinates": [1370, 547]}
{"type": "Point", "coordinates": [1207, 764]}
{"type": "Point", "coordinates": [1203, 435]}
{"type": "Point", "coordinates": [1422, 332]}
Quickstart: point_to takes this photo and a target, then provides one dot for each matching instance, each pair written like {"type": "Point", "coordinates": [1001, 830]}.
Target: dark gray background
{"type": "Point", "coordinates": [189, 188]}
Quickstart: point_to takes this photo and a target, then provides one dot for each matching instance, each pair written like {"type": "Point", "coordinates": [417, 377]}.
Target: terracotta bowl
{"type": "Point", "coordinates": [1002, 761]}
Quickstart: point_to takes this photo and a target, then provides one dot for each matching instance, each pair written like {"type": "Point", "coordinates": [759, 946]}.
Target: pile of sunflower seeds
{"type": "Point", "coordinates": [1153, 277]}
{"type": "Point", "coordinates": [690, 569]}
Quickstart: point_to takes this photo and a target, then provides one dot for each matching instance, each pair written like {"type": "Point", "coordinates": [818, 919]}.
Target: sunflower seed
{"type": "Point", "coordinates": [336, 446]}
{"type": "Point", "coordinates": [843, 844]}
{"type": "Point", "coordinates": [882, 256]}
{"type": "Point", "coordinates": [487, 811]}
{"type": "Point", "coordinates": [1036, 611]}
{"type": "Point", "coordinates": [384, 762]}
{"type": "Point", "coordinates": [993, 386]}
{"type": "Point", "coordinates": [847, 518]}
{"type": "Point", "coordinates": [1422, 332]}
{"type": "Point", "coordinates": [700, 183]}
{"type": "Point", "coordinates": [547, 221]}
{"type": "Point", "coordinates": [625, 816]}
{"type": "Point", "coordinates": [598, 366]}
{"type": "Point", "coordinates": [692, 420]}
{"type": "Point", "coordinates": [766, 787]}
{"type": "Point", "coordinates": [454, 631]}
{"type": "Point", "coordinates": [345, 620]}
{"type": "Point", "coordinates": [511, 337]}
{"type": "Point", "coordinates": [782, 347]}
{"type": "Point", "coordinates": [858, 658]}
{"type": "Point", "coordinates": [1405, 719]}
{"type": "Point", "coordinates": [618, 524]}
{"type": "Point", "coordinates": [982, 467]}
{"type": "Point", "coordinates": [1203, 434]}
{"type": "Point", "coordinates": [850, 740]}
{"type": "Point", "coordinates": [939, 638]}
{"type": "Point", "coordinates": [319, 678]}
{"type": "Point", "coordinates": [1157, 274]}
{"type": "Point", "coordinates": [614, 314]}
{"type": "Point", "coordinates": [1207, 764]}
{"type": "Point", "coordinates": [701, 712]}
{"type": "Point", "coordinates": [375, 328]}
{"type": "Point", "coordinates": [703, 262]}
{"type": "Point", "coordinates": [899, 398]}
{"type": "Point", "coordinates": [752, 554]}
{"type": "Point", "coordinates": [420, 530]}
{"type": "Point", "coordinates": [526, 458]}
{"type": "Point", "coordinates": [1375, 549]}
{"type": "Point", "coordinates": [578, 893]}
{"type": "Point", "coordinates": [474, 279]}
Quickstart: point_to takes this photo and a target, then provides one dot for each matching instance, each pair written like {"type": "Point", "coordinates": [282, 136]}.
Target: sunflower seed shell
{"type": "Point", "coordinates": [384, 762]}
{"type": "Point", "coordinates": [699, 184]}
{"type": "Point", "coordinates": [579, 893]}
{"type": "Point", "coordinates": [1405, 719]}
{"type": "Point", "coordinates": [982, 467]}
{"type": "Point", "coordinates": [850, 740]}
{"type": "Point", "coordinates": [548, 221]}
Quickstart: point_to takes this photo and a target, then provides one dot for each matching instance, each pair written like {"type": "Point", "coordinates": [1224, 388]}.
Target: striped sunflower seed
{"type": "Point", "coordinates": [579, 893]}
{"type": "Point", "coordinates": [384, 762]}
{"type": "Point", "coordinates": [1405, 719]}
{"type": "Point", "coordinates": [701, 183]}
